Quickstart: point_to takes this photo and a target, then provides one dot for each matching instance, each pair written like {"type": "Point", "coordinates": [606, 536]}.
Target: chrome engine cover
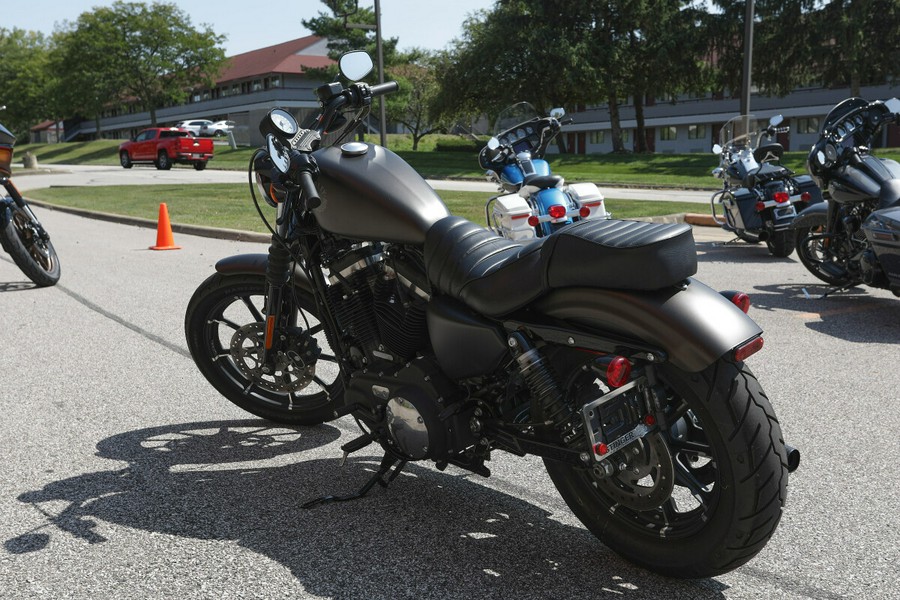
{"type": "Point", "coordinates": [407, 427]}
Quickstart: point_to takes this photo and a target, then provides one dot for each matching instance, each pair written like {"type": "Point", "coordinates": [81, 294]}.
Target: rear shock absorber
{"type": "Point", "coordinates": [542, 384]}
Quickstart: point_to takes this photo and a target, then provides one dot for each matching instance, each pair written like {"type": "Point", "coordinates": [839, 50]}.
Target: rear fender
{"type": "Point", "coordinates": [255, 264]}
{"type": "Point", "coordinates": [814, 215]}
{"type": "Point", "coordinates": [694, 325]}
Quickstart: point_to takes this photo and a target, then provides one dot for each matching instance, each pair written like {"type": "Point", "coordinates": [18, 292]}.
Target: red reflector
{"type": "Point", "coordinates": [760, 206]}
{"type": "Point", "coordinates": [557, 211]}
{"type": "Point", "coordinates": [649, 420]}
{"type": "Point", "coordinates": [522, 216]}
{"type": "Point", "coordinates": [742, 301]}
{"type": "Point", "coordinates": [601, 449]}
{"type": "Point", "coordinates": [748, 349]}
{"type": "Point", "coordinates": [618, 372]}
{"type": "Point", "coordinates": [806, 196]}
{"type": "Point", "coordinates": [782, 197]}
{"type": "Point", "coordinates": [584, 211]}
{"type": "Point", "coordinates": [533, 221]}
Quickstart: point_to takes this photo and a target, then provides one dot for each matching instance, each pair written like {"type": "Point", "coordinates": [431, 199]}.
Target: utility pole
{"type": "Point", "coordinates": [748, 58]}
{"type": "Point", "coordinates": [380, 60]}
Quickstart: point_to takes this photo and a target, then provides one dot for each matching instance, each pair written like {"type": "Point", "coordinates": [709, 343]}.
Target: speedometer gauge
{"type": "Point", "coordinates": [284, 121]}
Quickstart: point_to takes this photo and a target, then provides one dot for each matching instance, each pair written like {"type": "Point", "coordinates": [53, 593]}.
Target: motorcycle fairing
{"type": "Point", "coordinates": [496, 276]}
{"type": "Point", "coordinates": [694, 325]}
{"type": "Point", "coordinates": [882, 229]}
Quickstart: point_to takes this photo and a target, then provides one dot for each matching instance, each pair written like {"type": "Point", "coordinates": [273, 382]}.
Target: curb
{"type": "Point", "coordinates": [210, 232]}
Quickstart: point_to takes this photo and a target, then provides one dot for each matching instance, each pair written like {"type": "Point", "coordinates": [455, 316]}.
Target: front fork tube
{"type": "Point", "coordinates": [23, 206]}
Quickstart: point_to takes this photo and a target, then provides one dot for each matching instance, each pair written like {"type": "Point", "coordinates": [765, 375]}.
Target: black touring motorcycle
{"type": "Point", "coordinates": [855, 237]}
{"type": "Point", "coordinates": [594, 348]}
{"type": "Point", "coordinates": [21, 234]}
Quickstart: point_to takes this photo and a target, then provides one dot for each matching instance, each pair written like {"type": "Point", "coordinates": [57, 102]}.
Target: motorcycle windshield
{"type": "Point", "coordinates": [513, 115]}
{"type": "Point", "coordinates": [738, 133]}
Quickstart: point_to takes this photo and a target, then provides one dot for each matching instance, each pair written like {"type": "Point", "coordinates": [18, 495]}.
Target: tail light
{"type": "Point", "coordinates": [748, 349]}
{"type": "Point", "coordinates": [781, 197]}
{"type": "Point", "coordinates": [557, 211]}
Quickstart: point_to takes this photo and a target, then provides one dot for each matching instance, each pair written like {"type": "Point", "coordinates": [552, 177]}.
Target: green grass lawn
{"type": "Point", "coordinates": [230, 206]}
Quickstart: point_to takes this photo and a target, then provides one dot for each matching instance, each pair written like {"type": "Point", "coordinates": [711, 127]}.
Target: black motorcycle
{"type": "Point", "coordinates": [21, 234]}
{"type": "Point", "coordinates": [759, 197]}
{"type": "Point", "coordinates": [593, 348]}
{"type": "Point", "coordinates": [855, 237]}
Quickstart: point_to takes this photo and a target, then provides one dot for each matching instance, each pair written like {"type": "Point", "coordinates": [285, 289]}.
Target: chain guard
{"type": "Point", "coordinates": [289, 368]}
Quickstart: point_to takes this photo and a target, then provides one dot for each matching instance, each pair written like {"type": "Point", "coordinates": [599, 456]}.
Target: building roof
{"type": "Point", "coordinates": [44, 125]}
{"type": "Point", "coordinates": [296, 56]}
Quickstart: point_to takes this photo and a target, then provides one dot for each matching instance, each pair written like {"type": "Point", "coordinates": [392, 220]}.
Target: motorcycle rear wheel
{"type": "Point", "coordinates": [223, 324]}
{"type": "Point", "coordinates": [781, 244]}
{"type": "Point", "coordinates": [37, 258]}
{"type": "Point", "coordinates": [817, 259]}
{"type": "Point", "coordinates": [730, 471]}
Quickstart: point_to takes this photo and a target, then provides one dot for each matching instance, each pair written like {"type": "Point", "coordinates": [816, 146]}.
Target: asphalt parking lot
{"type": "Point", "coordinates": [126, 474]}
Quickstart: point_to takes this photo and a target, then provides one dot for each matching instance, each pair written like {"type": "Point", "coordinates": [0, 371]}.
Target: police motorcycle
{"type": "Point", "coordinates": [533, 202]}
{"type": "Point", "coordinates": [759, 199]}
{"type": "Point", "coordinates": [21, 234]}
{"type": "Point", "coordinates": [593, 348]}
{"type": "Point", "coordinates": [854, 237]}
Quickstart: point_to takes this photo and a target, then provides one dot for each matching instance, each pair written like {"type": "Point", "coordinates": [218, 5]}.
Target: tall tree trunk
{"type": "Point", "coordinates": [97, 125]}
{"type": "Point", "coordinates": [640, 134]}
{"type": "Point", "coordinates": [152, 116]}
{"type": "Point", "coordinates": [613, 102]}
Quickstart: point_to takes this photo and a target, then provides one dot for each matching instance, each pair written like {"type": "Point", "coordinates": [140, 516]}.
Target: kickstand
{"type": "Point", "coordinates": [387, 463]}
{"type": "Point", "coordinates": [833, 290]}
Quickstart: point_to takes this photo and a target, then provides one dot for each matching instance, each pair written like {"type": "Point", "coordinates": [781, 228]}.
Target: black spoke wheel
{"type": "Point", "coordinates": [699, 498]}
{"type": "Point", "coordinates": [225, 325]}
{"type": "Point", "coordinates": [818, 255]}
{"type": "Point", "coordinates": [36, 256]}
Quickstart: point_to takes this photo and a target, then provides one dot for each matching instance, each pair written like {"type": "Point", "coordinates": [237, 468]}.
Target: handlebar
{"type": "Point", "coordinates": [387, 87]}
{"type": "Point", "coordinates": [308, 185]}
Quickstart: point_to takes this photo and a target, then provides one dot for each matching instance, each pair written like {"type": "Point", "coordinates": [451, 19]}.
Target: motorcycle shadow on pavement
{"type": "Point", "coordinates": [16, 286]}
{"type": "Point", "coordinates": [738, 251]}
{"type": "Point", "coordinates": [855, 315]}
{"type": "Point", "coordinates": [430, 534]}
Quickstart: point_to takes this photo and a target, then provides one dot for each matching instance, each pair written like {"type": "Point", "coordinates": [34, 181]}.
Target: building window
{"type": "Point", "coordinates": [596, 137]}
{"type": "Point", "coordinates": [257, 85]}
{"type": "Point", "coordinates": [808, 125]}
{"type": "Point", "coordinates": [668, 134]}
{"type": "Point", "coordinates": [696, 132]}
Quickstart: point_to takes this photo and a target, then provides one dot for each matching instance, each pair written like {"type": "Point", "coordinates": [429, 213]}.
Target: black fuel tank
{"type": "Point", "coordinates": [862, 181]}
{"type": "Point", "coordinates": [370, 193]}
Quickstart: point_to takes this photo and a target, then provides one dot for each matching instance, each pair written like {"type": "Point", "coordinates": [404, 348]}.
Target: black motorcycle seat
{"type": "Point", "coordinates": [495, 276]}
{"type": "Point", "coordinates": [543, 181]}
{"type": "Point", "coordinates": [765, 172]}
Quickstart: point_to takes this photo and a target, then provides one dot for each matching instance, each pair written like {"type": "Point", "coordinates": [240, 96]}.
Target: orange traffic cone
{"type": "Point", "coordinates": [164, 240]}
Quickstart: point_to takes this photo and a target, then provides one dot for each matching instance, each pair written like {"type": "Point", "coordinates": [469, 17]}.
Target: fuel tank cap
{"type": "Point", "coordinates": [354, 149]}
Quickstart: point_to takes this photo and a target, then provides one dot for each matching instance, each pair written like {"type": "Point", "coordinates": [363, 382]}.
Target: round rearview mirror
{"type": "Point", "coordinates": [557, 113]}
{"type": "Point", "coordinates": [776, 121]}
{"type": "Point", "coordinates": [355, 65]}
{"type": "Point", "coordinates": [717, 149]}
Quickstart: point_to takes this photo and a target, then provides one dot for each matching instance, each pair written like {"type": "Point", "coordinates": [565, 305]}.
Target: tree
{"type": "Point", "coordinates": [148, 54]}
{"type": "Point", "coordinates": [858, 42]}
{"type": "Point", "coordinates": [413, 105]}
{"type": "Point", "coordinates": [24, 79]}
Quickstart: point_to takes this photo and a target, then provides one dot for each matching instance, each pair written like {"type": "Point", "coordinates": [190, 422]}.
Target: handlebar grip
{"type": "Point", "coordinates": [309, 190]}
{"type": "Point", "coordinates": [782, 130]}
{"type": "Point", "coordinates": [381, 89]}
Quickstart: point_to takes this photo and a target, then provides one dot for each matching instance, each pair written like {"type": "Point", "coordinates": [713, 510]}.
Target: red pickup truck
{"type": "Point", "coordinates": [164, 146]}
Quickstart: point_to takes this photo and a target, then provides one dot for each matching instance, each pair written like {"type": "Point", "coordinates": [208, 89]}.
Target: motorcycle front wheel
{"type": "Point", "coordinates": [35, 256]}
{"type": "Point", "coordinates": [724, 450]}
{"type": "Point", "coordinates": [818, 259]}
{"type": "Point", "coordinates": [225, 326]}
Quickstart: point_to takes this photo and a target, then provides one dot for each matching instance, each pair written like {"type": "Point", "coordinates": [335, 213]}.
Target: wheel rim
{"type": "Point", "coordinates": [37, 248]}
{"type": "Point", "coordinates": [232, 342]}
{"type": "Point", "coordinates": [163, 160]}
{"type": "Point", "coordinates": [815, 253]}
{"type": "Point", "coordinates": [672, 486]}
{"type": "Point", "coordinates": [123, 158]}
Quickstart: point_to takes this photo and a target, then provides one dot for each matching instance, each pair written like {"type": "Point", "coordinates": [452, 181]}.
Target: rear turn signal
{"type": "Point", "coordinates": [739, 299]}
{"type": "Point", "coordinates": [741, 353]}
{"type": "Point", "coordinates": [618, 372]}
{"type": "Point", "coordinates": [533, 221]}
{"type": "Point", "coordinates": [584, 212]}
{"type": "Point", "coordinates": [806, 196]}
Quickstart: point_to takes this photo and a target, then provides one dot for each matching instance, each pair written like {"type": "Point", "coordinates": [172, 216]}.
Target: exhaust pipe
{"type": "Point", "coordinates": [763, 236]}
{"type": "Point", "coordinates": [793, 458]}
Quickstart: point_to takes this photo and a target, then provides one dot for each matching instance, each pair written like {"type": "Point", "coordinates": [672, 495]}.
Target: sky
{"type": "Point", "coordinates": [428, 24]}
